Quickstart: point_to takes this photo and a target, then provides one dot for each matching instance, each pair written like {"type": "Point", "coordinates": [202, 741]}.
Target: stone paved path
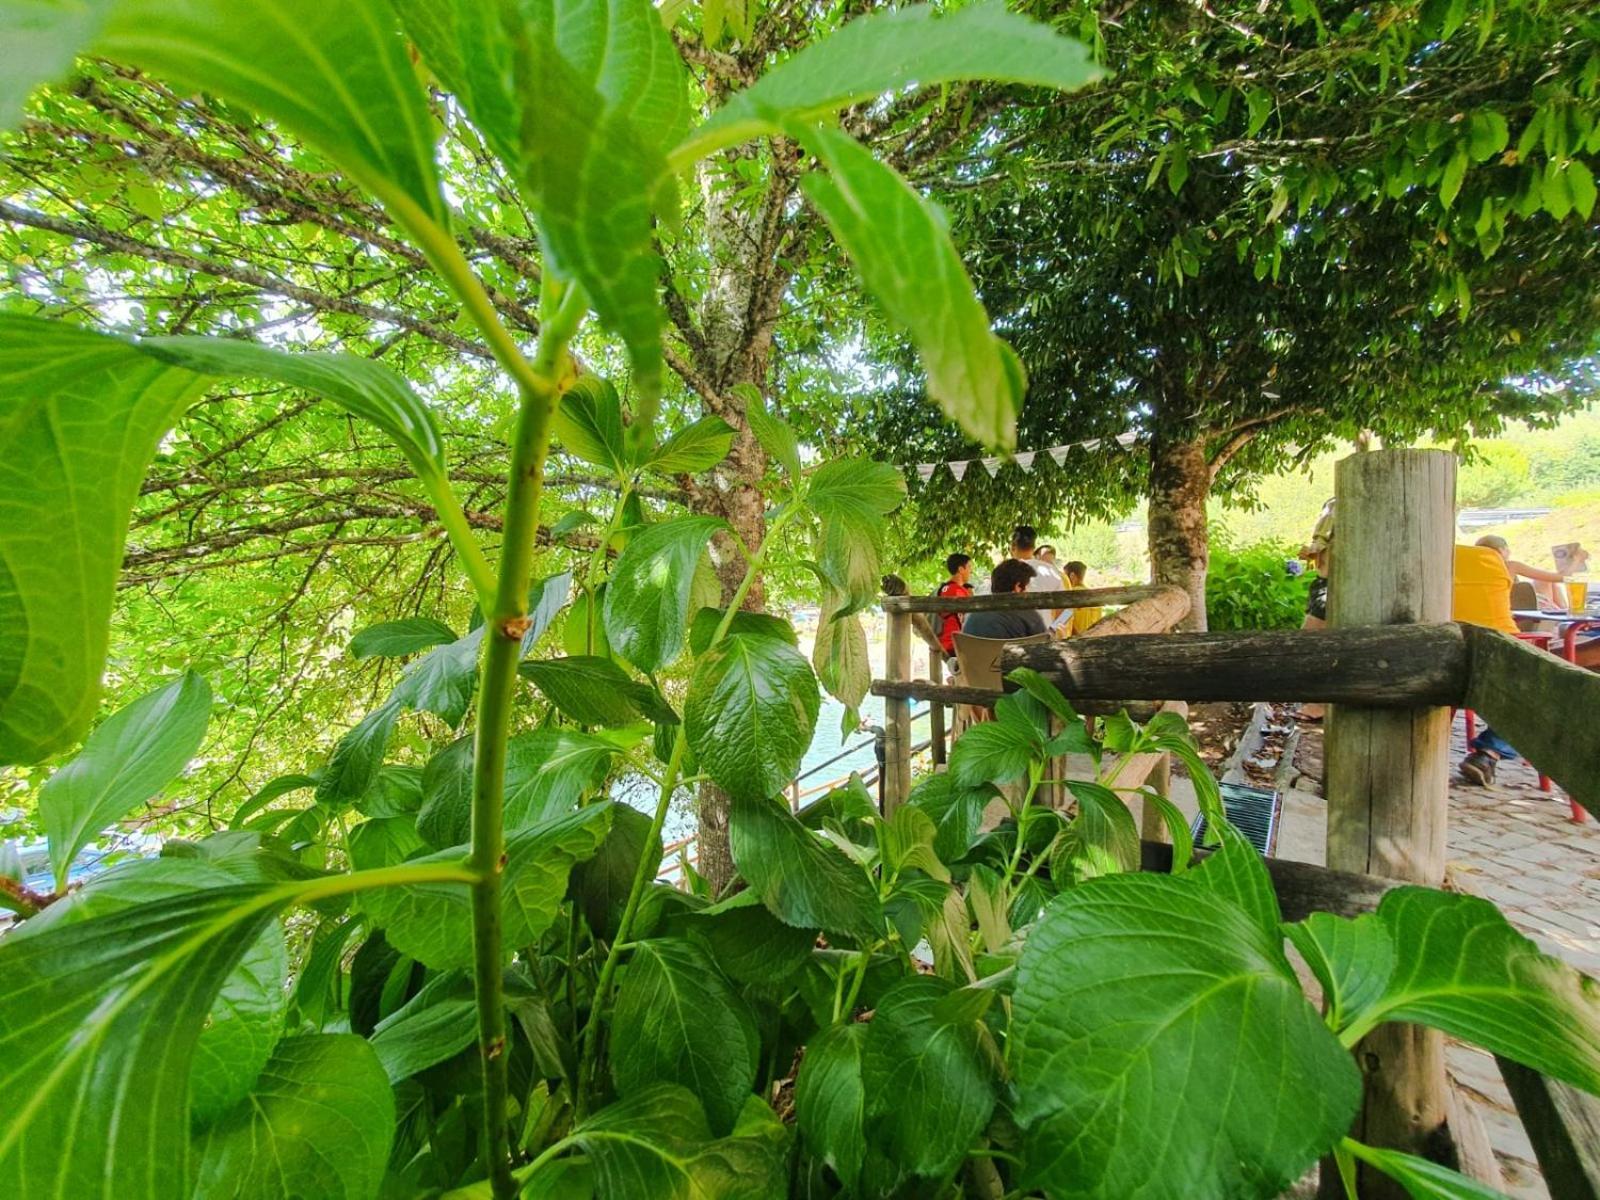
{"type": "Point", "coordinates": [1515, 846]}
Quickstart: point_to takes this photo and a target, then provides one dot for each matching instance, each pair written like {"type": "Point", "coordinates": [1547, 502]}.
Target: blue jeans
{"type": "Point", "coordinates": [1490, 740]}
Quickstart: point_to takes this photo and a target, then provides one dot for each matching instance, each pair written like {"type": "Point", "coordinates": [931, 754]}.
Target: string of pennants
{"type": "Point", "coordinates": [1025, 460]}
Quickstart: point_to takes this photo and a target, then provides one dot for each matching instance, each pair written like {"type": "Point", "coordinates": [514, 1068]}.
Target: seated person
{"type": "Point", "coordinates": [1482, 596]}
{"type": "Point", "coordinates": [1012, 575]}
{"type": "Point", "coordinates": [1546, 583]}
{"type": "Point", "coordinates": [1081, 618]}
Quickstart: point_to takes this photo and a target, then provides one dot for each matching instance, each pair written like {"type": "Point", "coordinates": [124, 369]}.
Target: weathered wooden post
{"type": "Point", "coordinates": [1388, 768]}
{"type": "Point", "coordinates": [897, 712]}
{"type": "Point", "coordinates": [936, 738]}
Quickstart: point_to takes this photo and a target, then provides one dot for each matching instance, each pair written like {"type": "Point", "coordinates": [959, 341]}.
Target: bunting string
{"type": "Point", "coordinates": [1026, 459]}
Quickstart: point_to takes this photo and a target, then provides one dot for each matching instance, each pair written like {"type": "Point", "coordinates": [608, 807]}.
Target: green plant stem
{"type": "Point", "coordinates": [855, 984]}
{"type": "Point", "coordinates": [1035, 774]}
{"type": "Point", "coordinates": [507, 622]}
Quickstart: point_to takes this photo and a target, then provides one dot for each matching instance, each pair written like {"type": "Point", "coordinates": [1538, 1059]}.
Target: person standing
{"type": "Point", "coordinates": [1046, 578]}
{"type": "Point", "coordinates": [960, 568]}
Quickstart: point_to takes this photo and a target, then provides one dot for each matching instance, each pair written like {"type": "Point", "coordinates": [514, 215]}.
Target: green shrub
{"type": "Point", "coordinates": [1250, 587]}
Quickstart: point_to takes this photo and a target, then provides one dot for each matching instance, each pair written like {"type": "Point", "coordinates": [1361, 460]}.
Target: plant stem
{"type": "Point", "coordinates": [507, 623]}
{"type": "Point", "coordinates": [1035, 774]}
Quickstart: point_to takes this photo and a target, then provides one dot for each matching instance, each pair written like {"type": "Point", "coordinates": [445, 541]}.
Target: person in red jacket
{"type": "Point", "coordinates": [960, 568]}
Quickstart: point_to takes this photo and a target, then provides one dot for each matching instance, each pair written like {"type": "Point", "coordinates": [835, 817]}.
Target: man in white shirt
{"type": "Point", "coordinates": [1046, 578]}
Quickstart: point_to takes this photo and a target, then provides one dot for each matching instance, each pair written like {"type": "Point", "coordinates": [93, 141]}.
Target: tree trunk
{"type": "Point", "coordinates": [1180, 481]}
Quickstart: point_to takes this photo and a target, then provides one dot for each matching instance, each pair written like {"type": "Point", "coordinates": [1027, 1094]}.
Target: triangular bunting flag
{"type": "Point", "coordinates": [1058, 455]}
{"type": "Point", "coordinates": [959, 470]}
{"type": "Point", "coordinates": [925, 471]}
{"type": "Point", "coordinates": [1025, 460]}
{"type": "Point", "coordinates": [991, 465]}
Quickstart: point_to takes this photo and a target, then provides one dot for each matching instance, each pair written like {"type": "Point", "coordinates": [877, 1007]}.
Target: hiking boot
{"type": "Point", "coordinates": [1478, 768]}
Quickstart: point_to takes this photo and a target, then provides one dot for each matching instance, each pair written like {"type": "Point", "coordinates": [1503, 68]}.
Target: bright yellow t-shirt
{"type": "Point", "coordinates": [1082, 618]}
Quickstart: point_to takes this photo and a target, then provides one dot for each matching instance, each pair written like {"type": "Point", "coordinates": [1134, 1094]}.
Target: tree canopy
{"type": "Point", "coordinates": [1270, 229]}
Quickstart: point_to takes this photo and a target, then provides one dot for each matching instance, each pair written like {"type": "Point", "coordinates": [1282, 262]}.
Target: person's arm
{"type": "Point", "coordinates": [1537, 573]}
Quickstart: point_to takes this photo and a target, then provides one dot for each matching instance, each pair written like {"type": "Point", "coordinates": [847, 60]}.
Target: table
{"type": "Point", "coordinates": [1569, 625]}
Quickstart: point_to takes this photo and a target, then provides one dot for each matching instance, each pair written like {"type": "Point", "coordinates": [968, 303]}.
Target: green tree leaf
{"type": "Point", "coordinates": [357, 757]}
{"type": "Point", "coordinates": [1158, 992]}
{"type": "Point", "coordinates": [804, 881]}
{"type": "Point", "coordinates": [548, 770]}
{"type": "Point", "coordinates": [830, 1099]}
{"type": "Point", "coordinates": [992, 752]}
{"type": "Point", "coordinates": [900, 244]}
{"type": "Point", "coordinates": [891, 50]}
{"type": "Point", "coordinates": [595, 691]}
{"type": "Point", "coordinates": [588, 423]}
{"type": "Point", "coordinates": [930, 1074]}
{"type": "Point", "coordinates": [678, 1020]}
{"type": "Point", "coordinates": [437, 1023]}
{"type": "Point", "coordinates": [395, 638]}
{"type": "Point", "coordinates": [98, 1025]}
{"type": "Point", "coordinates": [383, 842]}
{"type": "Point", "coordinates": [319, 1123]}
{"type": "Point", "coordinates": [647, 599]}
{"type": "Point", "coordinates": [696, 447]}
{"type": "Point", "coordinates": [1353, 960]}
{"type": "Point", "coordinates": [1238, 875]}
{"type": "Point", "coordinates": [445, 818]}
{"type": "Point", "coordinates": [656, 1143]}
{"type": "Point", "coordinates": [432, 922]}
{"type": "Point", "coordinates": [774, 434]}
{"type": "Point", "coordinates": [1459, 966]}
{"type": "Point", "coordinates": [442, 680]}
{"type": "Point", "coordinates": [602, 884]}
{"type": "Point", "coordinates": [1101, 840]}
{"type": "Point", "coordinates": [748, 942]}
{"type": "Point", "coordinates": [1423, 1180]}
{"type": "Point", "coordinates": [128, 759]}
{"type": "Point", "coordinates": [841, 656]}
{"type": "Point", "coordinates": [755, 624]}
{"type": "Point", "coordinates": [851, 498]}
{"type": "Point", "coordinates": [750, 713]}
{"type": "Point", "coordinates": [956, 810]}
{"type": "Point", "coordinates": [334, 74]}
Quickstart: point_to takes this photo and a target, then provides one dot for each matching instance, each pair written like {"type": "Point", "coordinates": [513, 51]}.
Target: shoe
{"type": "Point", "coordinates": [1478, 768]}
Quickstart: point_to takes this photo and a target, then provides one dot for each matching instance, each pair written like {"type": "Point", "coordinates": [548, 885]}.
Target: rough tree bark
{"type": "Point", "coordinates": [1180, 481]}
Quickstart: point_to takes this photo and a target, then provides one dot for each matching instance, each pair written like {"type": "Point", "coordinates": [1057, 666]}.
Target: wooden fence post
{"type": "Point", "coordinates": [1388, 769]}
{"type": "Point", "coordinates": [897, 715]}
{"type": "Point", "coordinates": [936, 737]}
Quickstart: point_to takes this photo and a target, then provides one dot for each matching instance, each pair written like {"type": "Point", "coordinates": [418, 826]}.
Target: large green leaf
{"type": "Point", "coordinates": [437, 1023]}
{"type": "Point", "coordinates": [992, 752]}
{"type": "Point", "coordinates": [774, 434]}
{"type": "Point", "coordinates": [128, 759]}
{"type": "Point", "coordinates": [647, 599]}
{"type": "Point", "coordinates": [593, 690]}
{"type": "Point", "coordinates": [696, 447]}
{"type": "Point", "coordinates": [1353, 960]}
{"type": "Point", "coordinates": [842, 659]}
{"type": "Point", "coordinates": [804, 881]}
{"type": "Point", "coordinates": [442, 680]}
{"type": "Point", "coordinates": [830, 1099]}
{"type": "Point", "coordinates": [747, 941]}
{"type": "Point", "coordinates": [678, 1020]}
{"type": "Point", "coordinates": [1236, 873]}
{"type": "Point", "coordinates": [432, 922]}
{"type": "Point", "coordinates": [548, 770]}
{"type": "Point", "coordinates": [318, 1123]}
{"type": "Point", "coordinates": [901, 247]}
{"type": "Point", "coordinates": [98, 1025]}
{"type": "Point", "coordinates": [1423, 1180]}
{"type": "Point", "coordinates": [1101, 840]}
{"type": "Point", "coordinates": [655, 1143]}
{"type": "Point", "coordinates": [41, 37]}
{"type": "Point", "coordinates": [445, 818]}
{"type": "Point", "coordinates": [602, 885]}
{"type": "Point", "coordinates": [405, 636]}
{"type": "Point", "coordinates": [956, 810]}
{"type": "Point", "coordinates": [1459, 966]}
{"type": "Point", "coordinates": [851, 497]}
{"type": "Point", "coordinates": [588, 422]}
{"type": "Point", "coordinates": [247, 1013]}
{"type": "Point", "coordinates": [357, 757]}
{"type": "Point", "coordinates": [893, 49]}
{"type": "Point", "coordinates": [1154, 995]}
{"type": "Point", "coordinates": [80, 418]}
{"type": "Point", "coordinates": [334, 74]}
{"type": "Point", "coordinates": [751, 711]}
{"type": "Point", "coordinates": [81, 415]}
{"type": "Point", "coordinates": [930, 1074]}
{"type": "Point", "coordinates": [704, 627]}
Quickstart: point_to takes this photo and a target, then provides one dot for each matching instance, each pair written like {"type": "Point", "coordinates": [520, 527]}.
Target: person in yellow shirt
{"type": "Point", "coordinates": [1082, 618]}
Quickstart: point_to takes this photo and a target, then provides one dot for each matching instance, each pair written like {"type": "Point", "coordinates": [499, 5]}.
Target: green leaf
{"type": "Point", "coordinates": [677, 1020]}
{"type": "Point", "coordinates": [595, 691]}
{"type": "Point", "coordinates": [1455, 171]}
{"type": "Point", "coordinates": [549, 769]}
{"type": "Point", "coordinates": [900, 244]}
{"type": "Point", "coordinates": [750, 713]}
{"type": "Point", "coordinates": [656, 1143]}
{"type": "Point", "coordinates": [442, 680]}
{"type": "Point", "coordinates": [1487, 134]}
{"type": "Point", "coordinates": [357, 757]}
{"type": "Point", "coordinates": [830, 1099]}
{"type": "Point", "coordinates": [647, 599]}
{"type": "Point", "coordinates": [748, 942]}
{"type": "Point", "coordinates": [445, 818]}
{"type": "Point", "coordinates": [336, 75]}
{"type": "Point", "coordinates": [905, 841]}
{"type": "Point", "coordinates": [774, 434]}
{"type": "Point", "coordinates": [991, 752]}
{"type": "Point", "coordinates": [841, 656]}
{"type": "Point", "coordinates": [956, 810]}
{"type": "Point", "coordinates": [546, 598]}
{"type": "Point", "coordinates": [804, 881]}
{"type": "Point", "coordinates": [432, 922]}
{"type": "Point", "coordinates": [281, 786]}
{"type": "Point", "coordinates": [437, 1023]}
{"type": "Point", "coordinates": [887, 52]}
{"type": "Point", "coordinates": [42, 39]}
{"type": "Point", "coordinates": [755, 624]}
{"type": "Point", "coordinates": [1580, 185]}
{"type": "Point", "coordinates": [319, 1123]}
{"type": "Point", "coordinates": [930, 1075]}
{"type": "Point", "coordinates": [1153, 990]}
{"type": "Point", "coordinates": [1353, 960]}
{"type": "Point", "coordinates": [696, 447]}
{"type": "Point", "coordinates": [1459, 966]}
{"type": "Point", "coordinates": [1237, 874]}
{"type": "Point", "coordinates": [1177, 829]}
{"type": "Point", "coordinates": [128, 759]}
{"type": "Point", "coordinates": [98, 1025]}
{"type": "Point", "coordinates": [1102, 839]}
{"type": "Point", "coordinates": [395, 638]}
{"type": "Point", "coordinates": [601, 885]}
{"type": "Point", "coordinates": [851, 497]}
{"type": "Point", "coordinates": [588, 423]}
{"type": "Point", "coordinates": [1423, 1180]}
{"type": "Point", "coordinates": [1045, 692]}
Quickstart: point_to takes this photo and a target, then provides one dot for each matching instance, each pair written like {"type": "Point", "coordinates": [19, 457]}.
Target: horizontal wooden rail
{"type": "Point", "coordinates": [951, 693]}
{"type": "Point", "coordinates": [1158, 612]}
{"type": "Point", "coordinates": [1543, 705]}
{"type": "Point", "coordinates": [1391, 666]}
{"type": "Point", "coordinates": [1017, 601]}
